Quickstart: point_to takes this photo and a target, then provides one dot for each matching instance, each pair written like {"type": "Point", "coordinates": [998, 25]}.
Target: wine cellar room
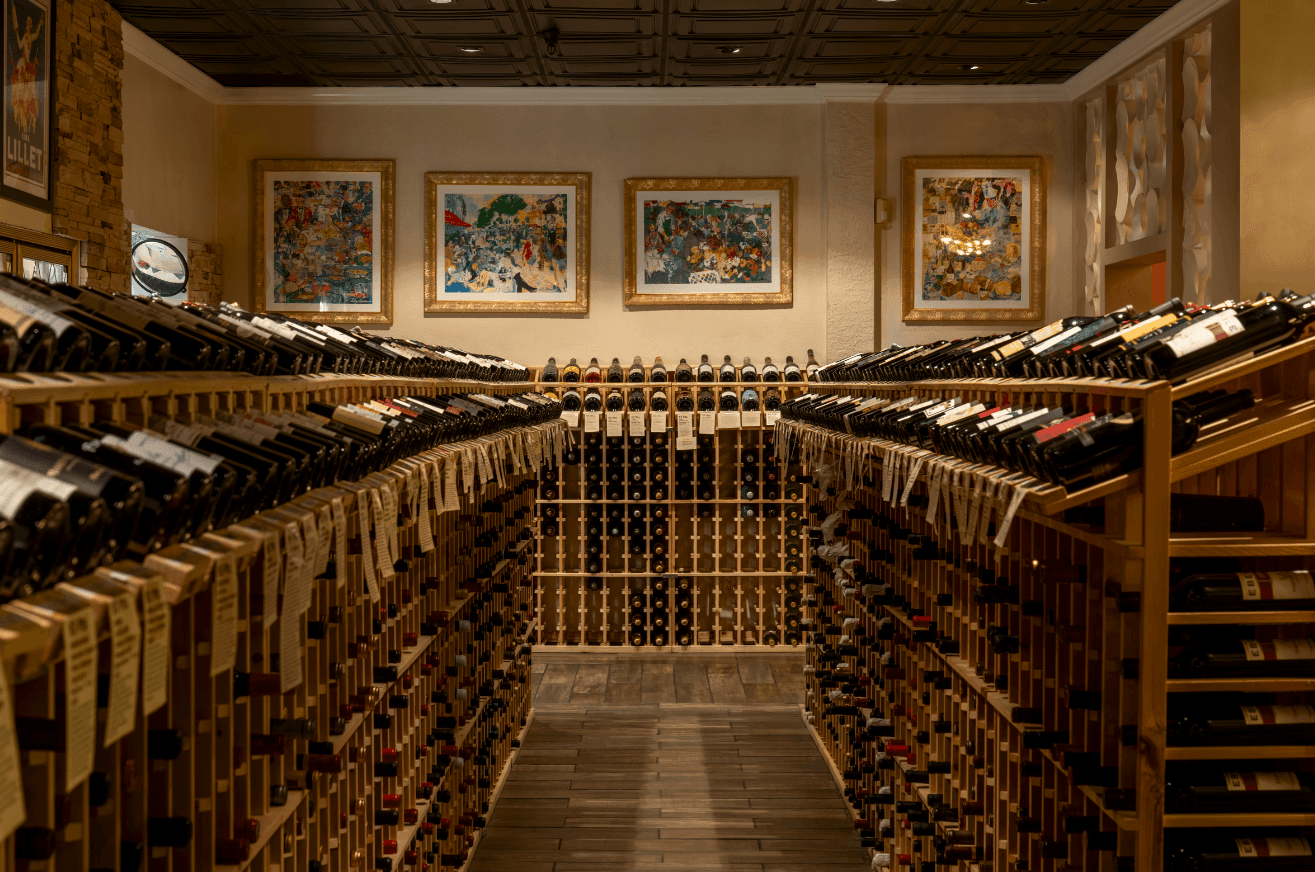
{"type": "Point", "coordinates": [640, 435]}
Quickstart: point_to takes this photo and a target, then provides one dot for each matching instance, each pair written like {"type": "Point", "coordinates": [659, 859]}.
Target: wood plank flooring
{"type": "Point", "coordinates": [652, 763]}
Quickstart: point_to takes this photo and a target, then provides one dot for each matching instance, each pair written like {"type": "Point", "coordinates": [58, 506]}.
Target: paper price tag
{"type": "Point", "coordinates": [969, 533]}
{"type": "Point", "coordinates": [614, 424]}
{"type": "Point", "coordinates": [913, 477]}
{"type": "Point", "coordinates": [289, 652]}
{"type": "Point", "coordinates": [155, 646]}
{"type": "Point", "coordinates": [771, 418]}
{"type": "Point", "coordinates": [637, 423]}
{"type": "Point", "coordinates": [79, 631]}
{"type": "Point", "coordinates": [988, 501]}
{"type": "Point", "coordinates": [572, 419]}
{"type": "Point", "coordinates": [934, 492]}
{"type": "Point", "coordinates": [273, 575]}
{"type": "Point", "coordinates": [707, 423]}
{"type": "Point", "coordinates": [1016, 500]}
{"type": "Point", "coordinates": [751, 419]}
{"type": "Point", "coordinates": [223, 615]}
{"type": "Point", "coordinates": [887, 474]}
{"type": "Point", "coordinates": [426, 528]}
{"type": "Point", "coordinates": [126, 661]}
{"type": "Point", "coordinates": [467, 469]}
{"type": "Point", "coordinates": [339, 540]}
{"type": "Point", "coordinates": [450, 501]}
{"type": "Point", "coordinates": [12, 810]}
{"type": "Point", "coordinates": [591, 421]}
{"type": "Point", "coordinates": [658, 422]}
{"type": "Point", "coordinates": [684, 425]}
{"type": "Point", "coordinates": [383, 563]}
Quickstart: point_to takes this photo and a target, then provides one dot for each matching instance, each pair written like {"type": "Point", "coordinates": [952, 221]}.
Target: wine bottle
{"type": "Point", "coordinates": [635, 401]}
{"type": "Point", "coordinates": [749, 402]}
{"type": "Point", "coordinates": [770, 371]}
{"type": "Point", "coordinates": [1218, 853]}
{"type": "Point", "coordinates": [549, 373]}
{"type": "Point", "coordinates": [705, 401]}
{"type": "Point", "coordinates": [615, 375]}
{"type": "Point", "coordinates": [772, 401]}
{"type": "Point", "coordinates": [1244, 658]}
{"type": "Point", "coordinates": [705, 373]}
{"type": "Point", "coordinates": [636, 374]}
{"type": "Point", "coordinates": [791, 371]}
{"type": "Point", "coordinates": [1234, 723]}
{"type": "Point", "coordinates": [40, 524]}
{"type": "Point", "coordinates": [571, 372]}
{"type": "Point", "coordinates": [812, 366]}
{"type": "Point", "coordinates": [728, 401]}
{"type": "Point", "coordinates": [659, 371]}
{"type": "Point", "coordinates": [658, 402]}
{"type": "Point", "coordinates": [615, 402]}
{"type": "Point", "coordinates": [593, 374]}
{"type": "Point", "coordinates": [1201, 791]}
{"type": "Point", "coordinates": [593, 400]}
{"type": "Point", "coordinates": [748, 372]}
{"type": "Point", "coordinates": [727, 371]}
{"type": "Point", "coordinates": [571, 401]}
{"type": "Point", "coordinates": [1244, 591]}
{"type": "Point", "coordinates": [1226, 334]}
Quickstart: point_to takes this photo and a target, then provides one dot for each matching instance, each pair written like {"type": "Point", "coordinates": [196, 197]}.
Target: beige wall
{"type": "Point", "coordinates": [919, 129]}
{"type": "Point", "coordinates": [1277, 123]}
{"type": "Point", "coordinates": [611, 142]}
{"type": "Point", "coordinates": [168, 154]}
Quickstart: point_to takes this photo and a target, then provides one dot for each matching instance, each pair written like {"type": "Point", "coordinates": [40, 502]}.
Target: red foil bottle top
{"type": "Point", "coordinates": [390, 846]}
{"type": "Point", "coordinates": [391, 800]}
{"type": "Point", "coordinates": [388, 755]}
{"type": "Point", "coordinates": [410, 816]}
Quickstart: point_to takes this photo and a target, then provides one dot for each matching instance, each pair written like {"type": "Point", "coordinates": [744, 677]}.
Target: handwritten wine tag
{"type": "Point", "coordinates": [382, 561]}
{"type": "Point", "coordinates": [969, 533]}
{"type": "Point", "coordinates": [1016, 500]}
{"type": "Point", "coordinates": [988, 502]}
{"type": "Point", "coordinates": [339, 540]}
{"type": "Point", "coordinates": [223, 615]}
{"type": "Point", "coordinates": [707, 423]}
{"type": "Point", "coordinates": [636, 423]}
{"type": "Point", "coordinates": [913, 477]}
{"type": "Point", "coordinates": [126, 659]}
{"type": "Point", "coordinates": [751, 419]}
{"type": "Point", "coordinates": [12, 809]}
{"type": "Point", "coordinates": [426, 528]}
{"type": "Point", "coordinates": [658, 422]}
{"type": "Point", "coordinates": [887, 474]}
{"type": "Point", "coordinates": [728, 420]}
{"type": "Point", "coordinates": [934, 491]}
{"type": "Point", "coordinates": [79, 631]}
{"type": "Point", "coordinates": [289, 652]}
{"type": "Point", "coordinates": [591, 421]}
{"type": "Point", "coordinates": [614, 424]}
{"type": "Point", "coordinates": [467, 469]}
{"type": "Point", "coordinates": [450, 501]}
{"type": "Point", "coordinates": [572, 419]}
{"type": "Point", "coordinates": [155, 645]}
{"type": "Point", "coordinates": [772, 418]}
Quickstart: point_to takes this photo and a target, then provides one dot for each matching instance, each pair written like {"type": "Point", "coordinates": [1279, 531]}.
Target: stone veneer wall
{"type": "Point", "coordinates": [205, 284]}
{"type": "Point", "coordinates": [88, 147]}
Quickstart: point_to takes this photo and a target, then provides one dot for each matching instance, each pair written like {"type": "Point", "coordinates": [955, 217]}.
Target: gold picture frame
{"type": "Point", "coordinates": [508, 253]}
{"type": "Point", "coordinates": [340, 263]}
{"type": "Point", "coordinates": [964, 257]}
{"type": "Point", "coordinates": [652, 238]}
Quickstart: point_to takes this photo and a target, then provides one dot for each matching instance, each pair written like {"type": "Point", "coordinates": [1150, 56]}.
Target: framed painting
{"type": "Point", "coordinates": [974, 239]}
{"type": "Point", "coordinates": [324, 240]}
{"type": "Point", "coordinates": [26, 178]}
{"type": "Point", "coordinates": [703, 242]}
{"type": "Point", "coordinates": [507, 242]}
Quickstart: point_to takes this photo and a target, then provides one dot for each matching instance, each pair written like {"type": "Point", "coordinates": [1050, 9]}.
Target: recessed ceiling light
{"type": "Point", "coordinates": [973, 67]}
{"type": "Point", "coordinates": [471, 49]}
{"type": "Point", "coordinates": [440, 1]}
{"type": "Point", "coordinates": [968, 66]}
{"type": "Point", "coordinates": [728, 49]}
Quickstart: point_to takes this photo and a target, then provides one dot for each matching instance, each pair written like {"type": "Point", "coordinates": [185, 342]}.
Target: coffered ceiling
{"type": "Point", "coordinates": [639, 42]}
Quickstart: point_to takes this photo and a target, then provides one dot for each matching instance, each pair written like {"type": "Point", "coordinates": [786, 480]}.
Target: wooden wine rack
{"type": "Point", "coordinates": [739, 568]}
{"type": "Point", "coordinates": [960, 704]}
{"type": "Point", "coordinates": [460, 656]}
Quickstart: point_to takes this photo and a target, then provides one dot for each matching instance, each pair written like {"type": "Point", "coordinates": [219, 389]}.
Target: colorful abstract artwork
{"type": "Point", "coordinates": [709, 241]}
{"type": "Point", "coordinates": [506, 242]}
{"type": "Point", "coordinates": [27, 97]}
{"type": "Point", "coordinates": [972, 239]}
{"type": "Point", "coordinates": [327, 228]}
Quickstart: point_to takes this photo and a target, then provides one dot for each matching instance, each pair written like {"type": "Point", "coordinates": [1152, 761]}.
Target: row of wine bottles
{"type": "Point", "coordinates": [1171, 341]}
{"type": "Point", "coordinates": [78, 496]}
{"type": "Point", "coordinates": [725, 400]}
{"type": "Point", "coordinates": [615, 374]}
{"type": "Point", "coordinates": [1060, 444]}
{"type": "Point", "coordinates": [62, 328]}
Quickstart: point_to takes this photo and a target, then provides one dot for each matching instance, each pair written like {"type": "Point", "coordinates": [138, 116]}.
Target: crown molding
{"type": "Point", "coordinates": [977, 94]}
{"type": "Point", "coordinates": [1170, 24]}
{"type": "Point", "coordinates": [154, 55]}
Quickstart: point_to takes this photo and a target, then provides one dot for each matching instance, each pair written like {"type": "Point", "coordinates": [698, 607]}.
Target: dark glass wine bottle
{"type": "Point", "coordinates": [549, 373]}
{"type": "Point", "coordinates": [615, 374]}
{"type": "Point", "coordinates": [571, 372]}
{"type": "Point", "coordinates": [658, 372]}
{"type": "Point", "coordinates": [636, 373]}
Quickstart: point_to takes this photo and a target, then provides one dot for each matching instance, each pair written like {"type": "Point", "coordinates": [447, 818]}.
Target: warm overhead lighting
{"type": "Point", "coordinates": [471, 49]}
{"type": "Point", "coordinates": [440, 1]}
{"type": "Point", "coordinates": [729, 49]}
{"type": "Point", "coordinates": [973, 67]}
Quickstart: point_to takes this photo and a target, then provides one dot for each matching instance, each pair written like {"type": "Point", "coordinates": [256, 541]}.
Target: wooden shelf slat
{"type": "Point", "coordinates": [1239, 752]}
{"type": "Point", "coordinates": [1229, 819]}
{"type": "Point", "coordinates": [1295, 617]}
{"type": "Point", "coordinates": [1251, 685]}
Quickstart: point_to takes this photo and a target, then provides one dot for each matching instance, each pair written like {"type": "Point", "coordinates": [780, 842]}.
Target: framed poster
{"type": "Point", "coordinates": [974, 239]}
{"type": "Point", "coordinates": [692, 242]}
{"type": "Point", "coordinates": [26, 178]}
{"type": "Point", "coordinates": [324, 240]}
{"type": "Point", "coordinates": [507, 242]}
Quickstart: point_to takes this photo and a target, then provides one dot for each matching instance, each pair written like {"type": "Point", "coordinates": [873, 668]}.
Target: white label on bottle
{"type": "Point", "coordinates": [636, 423]}
{"type": "Point", "coordinates": [12, 810]}
{"type": "Point", "coordinates": [20, 483]}
{"type": "Point", "coordinates": [728, 420]}
{"type": "Point", "coordinates": [1293, 846]}
{"type": "Point", "coordinates": [58, 323]}
{"type": "Point", "coordinates": [126, 654]}
{"type": "Point", "coordinates": [359, 419]}
{"type": "Point", "coordinates": [1277, 585]}
{"type": "Point", "coordinates": [223, 612]}
{"type": "Point", "coordinates": [188, 434]}
{"type": "Point", "coordinates": [1262, 781]}
{"type": "Point", "coordinates": [707, 423]}
{"type": "Point", "coordinates": [79, 697]}
{"type": "Point", "coordinates": [770, 418]}
{"type": "Point", "coordinates": [1255, 715]}
{"type": "Point", "coordinates": [1279, 649]}
{"type": "Point", "coordinates": [614, 424]}
{"type": "Point", "coordinates": [155, 646]}
{"type": "Point", "coordinates": [165, 452]}
{"type": "Point", "coordinates": [1204, 333]}
{"type": "Point", "coordinates": [572, 419]}
{"type": "Point", "coordinates": [1043, 347]}
{"type": "Point", "coordinates": [751, 419]}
